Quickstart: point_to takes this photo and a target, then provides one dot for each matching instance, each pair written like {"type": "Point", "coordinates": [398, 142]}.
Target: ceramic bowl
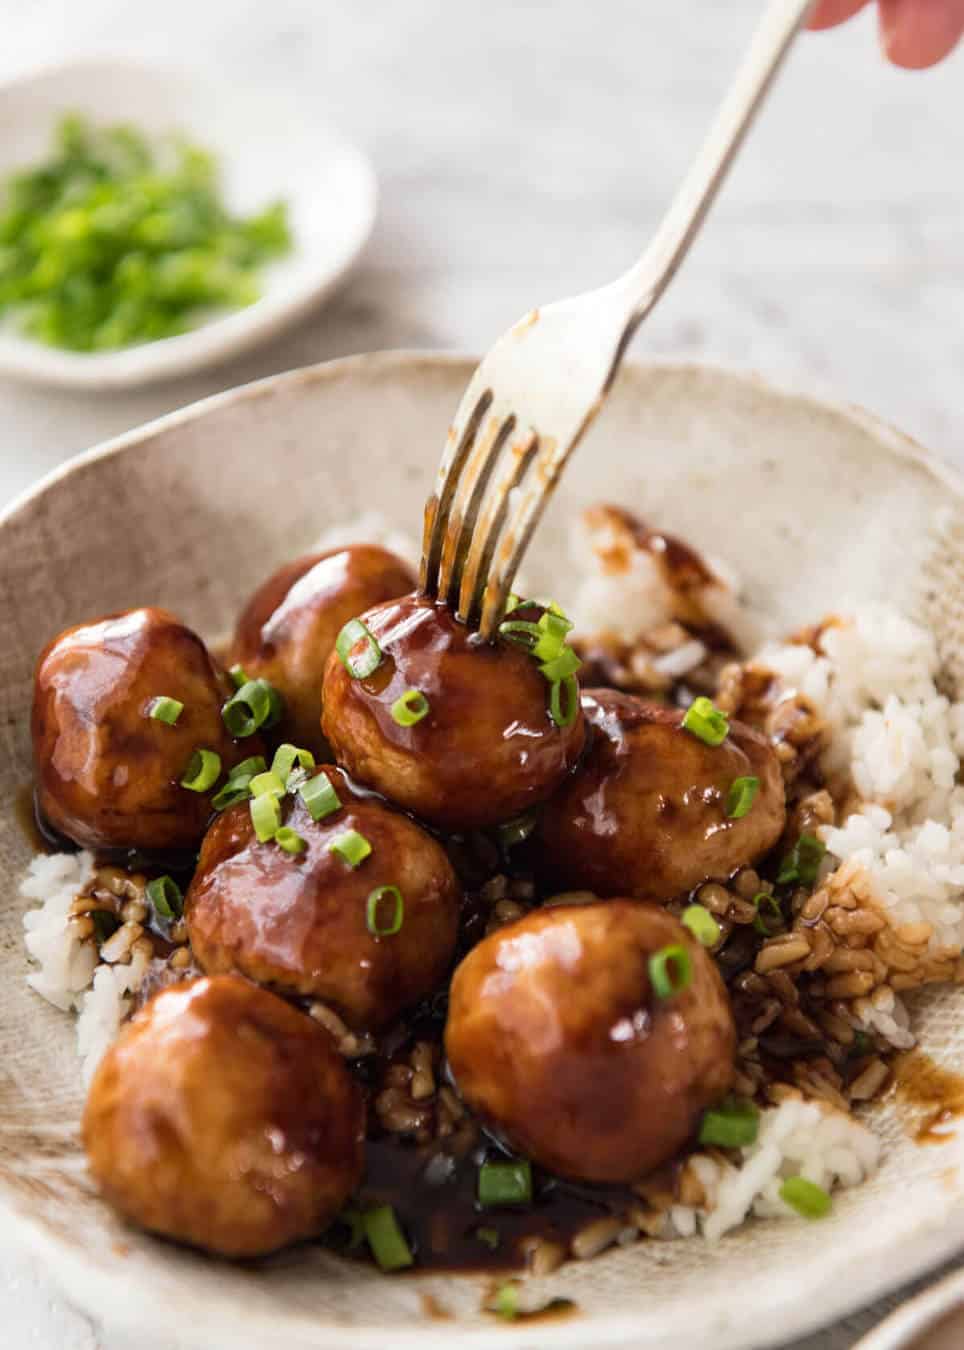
{"type": "Point", "coordinates": [266, 148]}
{"type": "Point", "coordinates": [813, 506]}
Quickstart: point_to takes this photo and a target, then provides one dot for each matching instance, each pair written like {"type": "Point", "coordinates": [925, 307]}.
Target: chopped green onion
{"type": "Point", "coordinates": [319, 797]}
{"type": "Point", "coordinates": [520, 632]}
{"type": "Point", "coordinates": [235, 790]}
{"type": "Point", "coordinates": [513, 602]}
{"type": "Point", "coordinates": [394, 923]}
{"type": "Point", "coordinates": [386, 1239]}
{"type": "Point", "coordinates": [806, 1197]}
{"type": "Point", "coordinates": [564, 701]}
{"type": "Point", "coordinates": [255, 705]}
{"type": "Point", "coordinates": [105, 925]}
{"type": "Point", "coordinates": [554, 629]}
{"type": "Point", "coordinates": [267, 782]}
{"type": "Point", "coordinates": [352, 847]}
{"type": "Point", "coordinates": [700, 922]}
{"type": "Point", "coordinates": [164, 709]}
{"type": "Point", "coordinates": [410, 708]}
{"type": "Point", "coordinates": [367, 662]}
{"type": "Point", "coordinates": [238, 677]}
{"type": "Point", "coordinates": [506, 1300]}
{"type": "Point", "coordinates": [286, 757]}
{"type": "Point", "coordinates": [517, 831]}
{"type": "Point", "coordinates": [489, 1236]}
{"type": "Point", "coordinates": [803, 861]}
{"type": "Point", "coordinates": [248, 767]}
{"type": "Point", "coordinates": [290, 840]}
{"type": "Point", "coordinates": [505, 1183]}
{"type": "Point", "coordinates": [203, 771]}
{"type": "Point", "coordinates": [706, 722]}
{"type": "Point", "coordinates": [165, 895]}
{"type": "Point", "coordinates": [561, 666]}
{"type": "Point", "coordinates": [741, 796]}
{"type": "Point", "coordinates": [265, 816]}
{"type": "Point", "coordinates": [763, 900]}
{"type": "Point", "coordinates": [670, 971]}
{"type": "Point", "coordinates": [734, 1124]}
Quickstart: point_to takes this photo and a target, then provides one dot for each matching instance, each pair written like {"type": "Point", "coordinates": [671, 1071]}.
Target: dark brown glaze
{"type": "Point", "coordinates": [488, 748]}
{"type": "Point", "coordinates": [287, 630]}
{"type": "Point", "coordinates": [107, 775]}
{"type": "Point", "coordinates": [936, 1093]}
{"type": "Point", "coordinates": [645, 812]}
{"type": "Point", "coordinates": [557, 1040]}
{"type": "Point", "coordinates": [225, 1118]}
{"type": "Point", "coordinates": [298, 922]}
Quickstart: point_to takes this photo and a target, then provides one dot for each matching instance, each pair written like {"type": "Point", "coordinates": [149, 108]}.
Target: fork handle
{"type": "Point", "coordinates": [646, 281]}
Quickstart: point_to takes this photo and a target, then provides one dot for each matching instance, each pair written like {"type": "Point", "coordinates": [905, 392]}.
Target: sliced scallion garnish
{"type": "Point", "coordinates": [364, 663]}
{"type": "Point", "coordinates": [488, 1236]}
{"type": "Point", "coordinates": [700, 922]}
{"type": "Point", "coordinates": [560, 667]}
{"type": "Point", "coordinates": [505, 1302]}
{"type": "Point", "coordinates": [265, 816]}
{"type": "Point", "coordinates": [352, 847]}
{"type": "Point", "coordinates": [203, 771]}
{"type": "Point", "coordinates": [516, 831]}
{"type": "Point", "coordinates": [287, 756]}
{"type": "Point", "coordinates": [734, 1124]}
{"type": "Point", "coordinates": [520, 632]}
{"type": "Point", "coordinates": [564, 701]}
{"type": "Point", "coordinates": [505, 1183]}
{"type": "Point", "coordinates": [410, 708]}
{"type": "Point", "coordinates": [386, 1239]}
{"type": "Point", "coordinates": [238, 676]}
{"type": "Point", "coordinates": [166, 897]}
{"type": "Point", "coordinates": [385, 911]}
{"type": "Point", "coordinates": [290, 840]}
{"type": "Point", "coordinates": [267, 782]}
{"type": "Point", "coordinates": [164, 709]}
{"type": "Point", "coordinates": [319, 797]}
{"type": "Point", "coordinates": [741, 796]}
{"type": "Point", "coordinates": [706, 722]}
{"type": "Point", "coordinates": [806, 1197]}
{"type": "Point", "coordinates": [803, 861]}
{"type": "Point", "coordinates": [670, 971]}
{"type": "Point", "coordinates": [254, 706]}
{"type": "Point", "coordinates": [764, 900]}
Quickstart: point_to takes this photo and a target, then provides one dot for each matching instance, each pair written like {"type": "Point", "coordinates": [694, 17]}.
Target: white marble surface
{"type": "Point", "coordinates": [525, 151]}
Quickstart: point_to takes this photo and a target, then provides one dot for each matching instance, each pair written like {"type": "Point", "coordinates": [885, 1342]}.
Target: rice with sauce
{"type": "Point", "coordinates": [871, 751]}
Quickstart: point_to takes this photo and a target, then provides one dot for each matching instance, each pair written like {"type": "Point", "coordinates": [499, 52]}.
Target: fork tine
{"type": "Point", "coordinates": [469, 496]}
{"type": "Point", "coordinates": [439, 505]}
{"type": "Point", "coordinates": [489, 527]}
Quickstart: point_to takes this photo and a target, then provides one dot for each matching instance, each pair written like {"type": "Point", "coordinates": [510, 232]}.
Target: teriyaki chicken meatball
{"type": "Point", "coordinates": [591, 1037]}
{"type": "Point", "coordinates": [362, 915]}
{"type": "Point", "coordinates": [287, 630]}
{"type": "Point", "coordinates": [225, 1118]}
{"type": "Point", "coordinates": [456, 730]}
{"type": "Point", "coordinates": [654, 809]}
{"type": "Point", "coordinates": [111, 744]}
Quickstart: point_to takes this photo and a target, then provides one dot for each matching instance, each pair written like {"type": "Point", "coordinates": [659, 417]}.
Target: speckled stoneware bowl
{"type": "Point", "coordinates": [814, 507]}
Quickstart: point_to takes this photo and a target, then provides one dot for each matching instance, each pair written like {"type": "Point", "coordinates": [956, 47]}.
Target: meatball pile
{"type": "Point", "coordinates": [327, 786]}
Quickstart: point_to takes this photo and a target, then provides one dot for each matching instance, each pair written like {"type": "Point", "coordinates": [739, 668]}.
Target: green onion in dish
{"type": "Point", "coordinates": [806, 1197]}
{"type": "Point", "coordinates": [505, 1183]}
{"type": "Point", "coordinates": [265, 816]}
{"type": "Point", "coordinates": [386, 1239]}
{"type": "Point", "coordinates": [521, 633]}
{"type": "Point", "coordinates": [505, 1301]}
{"type": "Point", "coordinates": [319, 797]}
{"type": "Point", "coordinates": [203, 771]}
{"type": "Point", "coordinates": [517, 831]}
{"type": "Point", "coordinates": [166, 898]}
{"type": "Point", "coordinates": [352, 847]}
{"type": "Point", "coordinates": [670, 971]}
{"type": "Point", "coordinates": [764, 901]}
{"type": "Point", "coordinates": [564, 701]}
{"type": "Point", "coordinates": [734, 1124]}
{"type": "Point", "coordinates": [560, 667]}
{"type": "Point", "coordinates": [358, 664]}
{"type": "Point", "coordinates": [234, 790]}
{"type": "Point", "coordinates": [384, 911]}
{"type": "Point", "coordinates": [741, 797]}
{"type": "Point", "coordinates": [105, 925]}
{"type": "Point", "coordinates": [489, 1237]}
{"type": "Point", "coordinates": [286, 757]}
{"type": "Point", "coordinates": [114, 239]}
{"type": "Point", "coordinates": [290, 840]}
{"type": "Point", "coordinates": [238, 676]}
{"type": "Point", "coordinates": [700, 922]}
{"type": "Point", "coordinates": [253, 707]}
{"type": "Point", "coordinates": [267, 782]}
{"type": "Point", "coordinates": [164, 709]}
{"type": "Point", "coordinates": [706, 722]}
{"type": "Point", "coordinates": [410, 707]}
{"type": "Point", "coordinates": [803, 861]}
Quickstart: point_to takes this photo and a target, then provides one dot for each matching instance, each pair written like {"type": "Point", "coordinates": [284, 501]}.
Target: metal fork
{"type": "Point", "coordinates": [534, 395]}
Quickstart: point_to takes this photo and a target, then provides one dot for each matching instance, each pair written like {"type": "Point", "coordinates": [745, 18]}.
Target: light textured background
{"type": "Point", "coordinates": [525, 151]}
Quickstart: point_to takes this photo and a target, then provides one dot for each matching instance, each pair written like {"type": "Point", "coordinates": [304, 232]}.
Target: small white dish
{"type": "Point", "coordinates": [266, 149]}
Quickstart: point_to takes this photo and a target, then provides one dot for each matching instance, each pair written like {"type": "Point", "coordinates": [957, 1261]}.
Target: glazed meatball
{"type": "Point", "coordinates": [645, 814]}
{"type": "Point", "coordinates": [107, 773]}
{"type": "Point", "coordinates": [287, 630]}
{"type": "Point", "coordinates": [225, 1118]}
{"type": "Point", "coordinates": [558, 1039]}
{"type": "Point", "coordinates": [486, 750]}
{"type": "Point", "coordinates": [302, 923]}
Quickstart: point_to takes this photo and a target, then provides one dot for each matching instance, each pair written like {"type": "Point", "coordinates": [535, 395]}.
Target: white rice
{"type": "Point", "coordinates": [66, 965]}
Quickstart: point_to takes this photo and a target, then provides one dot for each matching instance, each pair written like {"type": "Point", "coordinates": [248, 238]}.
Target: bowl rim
{"type": "Point", "coordinates": [92, 1286]}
